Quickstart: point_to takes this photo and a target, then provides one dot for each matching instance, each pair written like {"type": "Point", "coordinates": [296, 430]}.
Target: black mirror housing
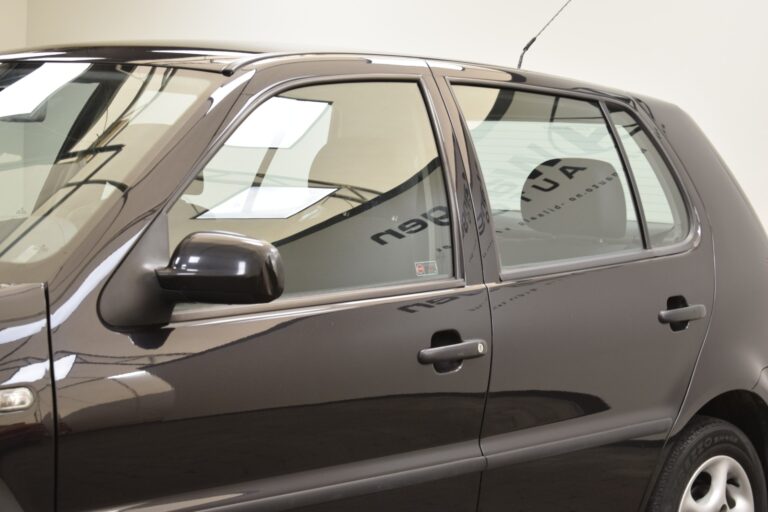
{"type": "Point", "coordinates": [224, 268]}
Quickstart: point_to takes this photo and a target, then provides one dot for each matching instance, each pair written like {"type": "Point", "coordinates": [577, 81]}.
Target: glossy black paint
{"type": "Point", "coordinates": [241, 379]}
{"type": "Point", "coordinates": [223, 268]}
{"type": "Point", "coordinates": [588, 340]}
{"type": "Point", "coordinates": [609, 478]}
{"type": "Point", "coordinates": [27, 457]}
{"type": "Point", "coordinates": [320, 403]}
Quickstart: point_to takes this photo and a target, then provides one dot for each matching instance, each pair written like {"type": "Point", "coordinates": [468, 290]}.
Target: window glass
{"type": "Point", "coordinates": [662, 204]}
{"type": "Point", "coordinates": [344, 179]}
{"type": "Point", "coordinates": [555, 181]}
{"type": "Point", "coordinates": [73, 138]}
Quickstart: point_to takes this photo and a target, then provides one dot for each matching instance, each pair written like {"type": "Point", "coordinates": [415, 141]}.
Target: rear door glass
{"type": "Point", "coordinates": [555, 180]}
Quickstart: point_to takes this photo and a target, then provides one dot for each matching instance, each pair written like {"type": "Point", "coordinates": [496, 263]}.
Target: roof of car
{"type": "Point", "coordinates": [206, 59]}
{"type": "Point", "coordinates": [225, 58]}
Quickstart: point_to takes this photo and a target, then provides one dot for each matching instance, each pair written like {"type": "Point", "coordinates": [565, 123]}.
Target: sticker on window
{"type": "Point", "coordinates": [426, 268]}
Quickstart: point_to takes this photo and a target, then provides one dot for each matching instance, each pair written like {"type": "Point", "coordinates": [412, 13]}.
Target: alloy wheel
{"type": "Point", "coordinates": [720, 484]}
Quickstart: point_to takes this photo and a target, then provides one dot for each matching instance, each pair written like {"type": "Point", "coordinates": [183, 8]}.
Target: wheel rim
{"type": "Point", "coordinates": [719, 485]}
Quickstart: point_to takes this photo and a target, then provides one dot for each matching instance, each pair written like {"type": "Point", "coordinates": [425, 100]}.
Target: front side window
{"type": "Point", "coordinates": [344, 179]}
{"type": "Point", "coordinates": [555, 180]}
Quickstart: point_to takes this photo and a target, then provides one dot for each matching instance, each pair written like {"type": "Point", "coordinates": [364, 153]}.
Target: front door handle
{"type": "Point", "coordinates": [455, 352]}
{"type": "Point", "coordinates": [684, 314]}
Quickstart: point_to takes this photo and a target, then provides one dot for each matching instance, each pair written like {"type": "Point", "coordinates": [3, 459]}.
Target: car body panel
{"type": "Point", "coordinates": [229, 400]}
{"type": "Point", "coordinates": [316, 395]}
{"type": "Point", "coordinates": [27, 455]}
{"type": "Point", "coordinates": [735, 352]}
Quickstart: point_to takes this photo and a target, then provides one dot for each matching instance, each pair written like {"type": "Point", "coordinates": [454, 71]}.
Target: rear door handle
{"type": "Point", "coordinates": [684, 314]}
{"type": "Point", "coordinates": [455, 352]}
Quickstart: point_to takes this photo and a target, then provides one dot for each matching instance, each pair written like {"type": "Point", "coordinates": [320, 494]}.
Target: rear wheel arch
{"type": "Point", "coordinates": [746, 410]}
{"type": "Point", "coordinates": [710, 465]}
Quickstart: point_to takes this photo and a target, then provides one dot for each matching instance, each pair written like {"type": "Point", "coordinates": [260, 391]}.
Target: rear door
{"type": "Point", "coordinates": [596, 249]}
{"type": "Point", "coordinates": [326, 398]}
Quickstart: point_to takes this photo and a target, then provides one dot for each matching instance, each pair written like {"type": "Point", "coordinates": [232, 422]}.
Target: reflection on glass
{"type": "Point", "coordinates": [344, 179]}
{"type": "Point", "coordinates": [278, 123]}
{"type": "Point", "coordinates": [662, 203]}
{"type": "Point", "coordinates": [267, 203]}
{"type": "Point", "coordinates": [27, 94]}
{"type": "Point", "coordinates": [555, 181]}
{"type": "Point", "coordinates": [71, 136]}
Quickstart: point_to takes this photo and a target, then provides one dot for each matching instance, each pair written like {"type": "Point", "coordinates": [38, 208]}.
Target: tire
{"type": "Point", "coordinates": [694, 479]}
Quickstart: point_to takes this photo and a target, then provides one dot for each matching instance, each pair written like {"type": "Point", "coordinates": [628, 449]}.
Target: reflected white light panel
{"type": "Point", "coordinates": [129, 375]}
{"type": "Point", "coordinates": [36, 371]}
{"type": "Point", "coordinates": [29, 92]}
{"type": "Point", "coordinates": [62, 366]}
{"type": "Point", "coordinates": [398, 61]}
{"type": "Point", "coordinates": [27, 55]}
{"type": "Point", "coordinates": [203, 53]}
{"type": "Point", "coordinates": [29, 373]}
{"type": "Point", "coordinates": [277, 123]}
{"type": "Point", "coordinates": [267, 203]}
{"type": "Point", "coordinates": [66, 59]}
{"type": "Point", "coordinates": [445, 65]}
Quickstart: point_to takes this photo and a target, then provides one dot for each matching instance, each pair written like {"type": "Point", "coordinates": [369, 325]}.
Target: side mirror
{"type": "Point", "coordinates": [224, 268]}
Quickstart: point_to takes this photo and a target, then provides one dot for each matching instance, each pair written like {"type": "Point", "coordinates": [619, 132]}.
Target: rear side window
{"type": "Point", "coordinates": [555, 181]}
{"type": "Point", "coordinates": [663, 205]}
{"type": "Point", "coordinates": [344, 179]}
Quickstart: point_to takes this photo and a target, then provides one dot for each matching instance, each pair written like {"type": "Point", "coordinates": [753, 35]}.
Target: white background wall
{"type": "Point", "coordinates": [711, 58]}
{"type": "Point", "coordinates": [14, 16]}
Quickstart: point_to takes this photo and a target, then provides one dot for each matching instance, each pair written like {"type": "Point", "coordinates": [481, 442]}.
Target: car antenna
{"type": "Point", "coordinates": [533, 40]}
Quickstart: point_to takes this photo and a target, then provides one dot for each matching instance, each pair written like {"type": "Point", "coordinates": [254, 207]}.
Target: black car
{"type": "Point", "coordinates": [338, 282]}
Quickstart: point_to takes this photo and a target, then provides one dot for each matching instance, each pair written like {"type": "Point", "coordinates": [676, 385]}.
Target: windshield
{"type": "Point", "coordinates": [72, 136]}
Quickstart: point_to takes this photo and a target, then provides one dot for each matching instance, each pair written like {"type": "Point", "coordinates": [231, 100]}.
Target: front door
{"type": "Point", "coordinates": [342, 394]}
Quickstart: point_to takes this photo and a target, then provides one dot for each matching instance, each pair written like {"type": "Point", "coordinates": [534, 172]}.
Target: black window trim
{"type": "Point", "coordinates": [630, 175]}
{"type": "Point", "coordinates": [337, 298]}
{"type": "Point", "coordinates": [547, 270]}
{"type": "Point", "coordinates": [687, 204]}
